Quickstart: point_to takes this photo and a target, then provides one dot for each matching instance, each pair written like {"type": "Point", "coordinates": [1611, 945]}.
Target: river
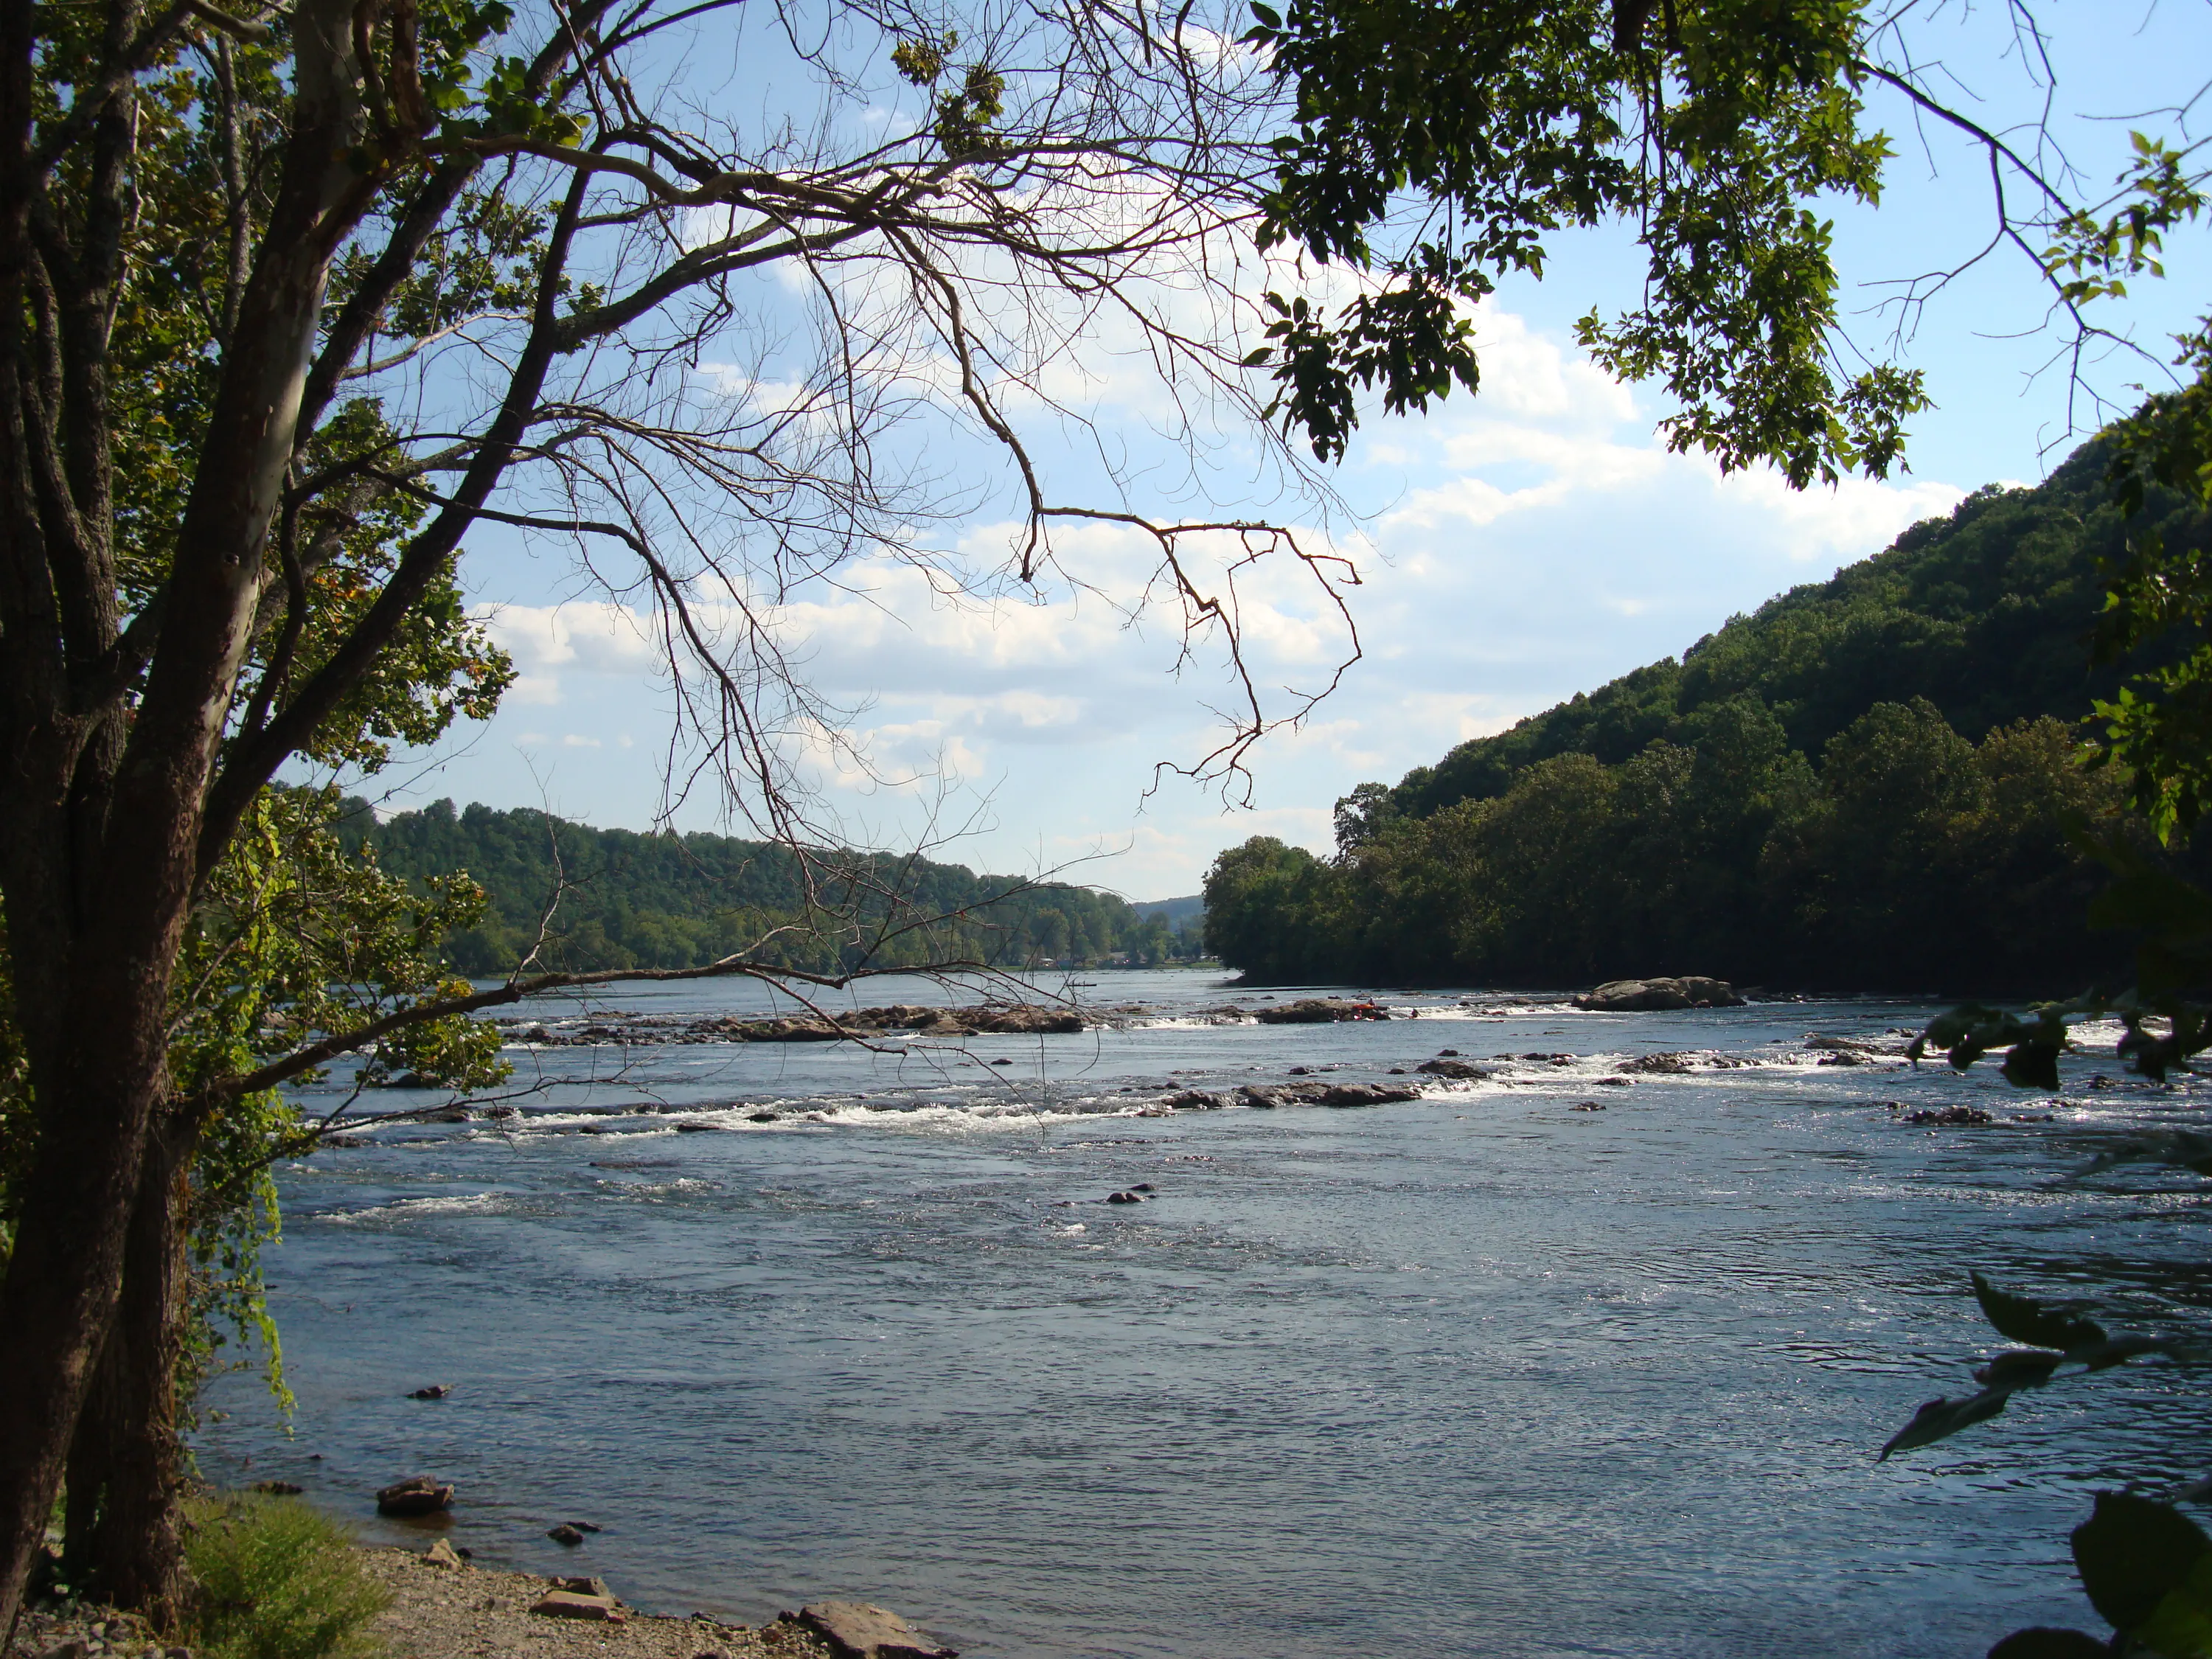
{"type": "Point", "coordinates": [1483, 1373]}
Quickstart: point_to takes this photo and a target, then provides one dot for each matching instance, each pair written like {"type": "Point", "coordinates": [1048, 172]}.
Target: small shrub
{"type": "Point", "coordinates": [276, 1580]}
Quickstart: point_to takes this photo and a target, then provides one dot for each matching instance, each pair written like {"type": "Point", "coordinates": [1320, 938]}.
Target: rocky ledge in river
{"type": "Point", "coordinates": [1639, 995]}
{"type": "Point", "coordinates": [1325, 1094]}
{"type": "Point", "coordinates": [1319, 1010]}
{"type": "Point", "coordinates": [997, 1019]}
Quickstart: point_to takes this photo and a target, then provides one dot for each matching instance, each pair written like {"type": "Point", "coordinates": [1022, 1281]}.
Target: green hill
{"type": "Point", "coordinates": [1862, 785]}
{"type": "Point", "coordinates": [619, 899]}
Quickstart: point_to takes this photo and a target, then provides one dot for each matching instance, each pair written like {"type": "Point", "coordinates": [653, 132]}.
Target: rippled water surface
{"type": "Point", "coordinates": [1477, 1374]}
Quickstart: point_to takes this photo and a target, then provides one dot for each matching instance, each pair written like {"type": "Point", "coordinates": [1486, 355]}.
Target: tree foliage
{"type": "Point", "coordinates": [1716, 128]}
{"type": "Point", "coordinates": [596, 899]}
{"type": "Point", "coordinates": [1873, 781]}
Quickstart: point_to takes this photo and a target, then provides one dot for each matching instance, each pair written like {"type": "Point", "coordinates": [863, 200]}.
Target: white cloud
{"type": "Point", "coordinates": [1526, 543]}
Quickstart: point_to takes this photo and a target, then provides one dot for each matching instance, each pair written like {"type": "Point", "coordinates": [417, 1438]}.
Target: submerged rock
{"type": "Point", "coordinates": [565, 1534]}
{"type": "Point", "coordinates": [435, 1391]}
{"type": "Point", "coordinates": [1636, 995]}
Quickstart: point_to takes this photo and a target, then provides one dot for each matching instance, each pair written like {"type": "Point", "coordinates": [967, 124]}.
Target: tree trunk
{"type": "Point", "coordinates": [57, 1304]}
{"type": "Point", "coordinates": [123, 1535]}
{"type": "Point", "coordinates": [98, 1065]}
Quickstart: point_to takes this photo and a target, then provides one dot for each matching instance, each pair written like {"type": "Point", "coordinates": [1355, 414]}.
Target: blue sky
{"type": "Point", "coordinates": [1513, 548]}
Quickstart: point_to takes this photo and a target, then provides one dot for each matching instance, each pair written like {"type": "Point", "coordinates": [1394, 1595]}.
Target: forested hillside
{"type": "Point", "coordinates": [627, 900]}
{"type": "Point", "coordinates": [1864, 785]}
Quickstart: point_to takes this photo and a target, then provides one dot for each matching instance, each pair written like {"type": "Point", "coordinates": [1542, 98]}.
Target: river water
{"type": "Point", "coordinates": [1477, 1374]}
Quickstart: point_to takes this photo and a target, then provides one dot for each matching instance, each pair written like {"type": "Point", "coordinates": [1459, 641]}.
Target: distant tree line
{"type": "Point", "coordinates": [1868, 784]}
{"type": "Point", "coordinates": [615, 898]}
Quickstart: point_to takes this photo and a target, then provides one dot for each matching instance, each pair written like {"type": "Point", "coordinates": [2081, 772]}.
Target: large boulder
{"type": "Point", "coordinates": [1367, 1094]}
{"type": "Point", "coordinates": [567, 1604]}
{"type": "Point", "coordinates": [1319, 1010]}
{"type": "Point", "coordinates": [1639, 995]}
{"type": "Point", "coordinates": [1671, 1064]}
{"type": "Point", "coordinates": [1195, 1100]}
{"type": "Point", "coordinates": [416, 1495]}
{"type": "Point", "coordinates": [1441, 1066]}
{"type": "Point", "coordinates": [1023, 1019]}
{"type": "Point", "coordinates": [857, 1630]}
{"type": "Point", "coordinates": [1269, 1098]}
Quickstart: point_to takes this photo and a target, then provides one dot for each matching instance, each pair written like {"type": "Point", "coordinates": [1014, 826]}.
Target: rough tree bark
{"type": "Point", "coordinates": [120, 882]}
{"type": "Point", "coordinates": [121, 1536]}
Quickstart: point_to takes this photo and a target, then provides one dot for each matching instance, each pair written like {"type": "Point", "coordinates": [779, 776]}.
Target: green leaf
{"type": "Point", "coordinates": [2020, 1368]}
{"type": "Point", "coordinates": [2182, 1626]}
{"type": "Point", "coordinates": [2032, 1323]}
{"type": "Point", "coordinates": [2133, 1555]}
{"type": "Point", "coordinates": [1267, 15]}
{"type": "Point", "coordinates": [2032, 1065]}
{"type": "Point", "coordinates": [1939, 1419]}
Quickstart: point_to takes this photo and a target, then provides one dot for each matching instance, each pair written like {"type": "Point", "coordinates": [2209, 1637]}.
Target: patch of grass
{"type": "Point", "coordinates": [277, 1580]}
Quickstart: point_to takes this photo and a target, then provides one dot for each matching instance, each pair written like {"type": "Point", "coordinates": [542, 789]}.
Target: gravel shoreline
{"type": "Point", "coordinates": [442, 1610]}
{"type": "Point", "coordinates": [464, 1612]}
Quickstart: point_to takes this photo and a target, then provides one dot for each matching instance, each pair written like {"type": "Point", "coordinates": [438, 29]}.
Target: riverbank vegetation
{"type": "Point", "coordinates": [593, 899]}
{"type": "Point", "coordinates": [277, 1579]}
{"type": "Point", "coordinates": [1868, 783]}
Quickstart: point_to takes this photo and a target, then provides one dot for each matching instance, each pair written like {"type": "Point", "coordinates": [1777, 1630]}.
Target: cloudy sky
{"type": "Point", "coordinates": [1512, 549]}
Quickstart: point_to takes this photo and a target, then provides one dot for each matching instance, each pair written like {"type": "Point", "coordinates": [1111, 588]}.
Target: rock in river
{"type": "Point", "coordinates": [1951, 1117]}
{"type": "Point", "coordinates": [418, 1494]}
{"type": "Point", "coordinates": [1636, 995]}
{"type": "Point", "coordinates": [790, 1030]}
{"type": "Point", "coordinates": [1366, 1094]}
{"type": "Point", "coordinates": [1672, 1063]}
{"type": "Point", "coordinates": [1458, 1068]}
{"type": "Point", "coordinates": [1319, 1010]}
{"type": "Point", "coordinates": [857, 1630]}
{"type": "Point", "coordinates": [1195, 1100]}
